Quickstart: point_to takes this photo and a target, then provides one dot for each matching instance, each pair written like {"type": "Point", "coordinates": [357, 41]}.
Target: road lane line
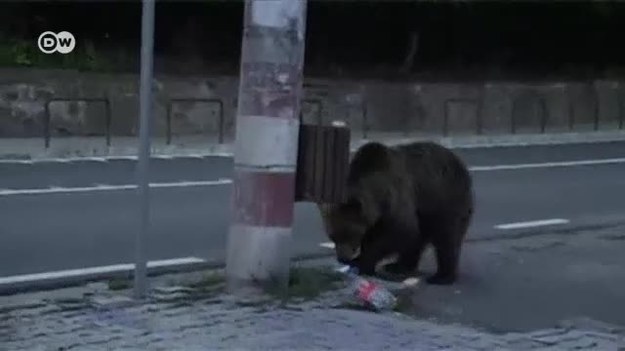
{"type": "Point", "coordinates": [109, 158]}
{"type": "Point", "coordinates": [327, 245]}
{"type": "Point", "coordinates": [531, 224]}
{"type": "Point", "coordinates": [196, 156]}
{"type": "Point", "coordinates": [222, 181]}
{"type": "Point", "coordinates": [100, 270]}
{"type": "Point", "coordinates": [548, 164]}
{"type": "Point", "coordinates": [59, 160]}
{"type": "Point", "coordinates": [10, 192]}
{"type": "Point", "coordinates": [60, 190]}
{"type": "Point", "coordinates": [200, 156]}
{"type": "Point", "coordinates": [19, 162]}
{"type": "Point", "coordinates": [95, 159]}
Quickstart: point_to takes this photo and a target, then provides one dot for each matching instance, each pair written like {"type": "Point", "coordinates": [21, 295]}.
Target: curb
{"type": "Point", "coordinates": [64, 279]}
{"type": "Point", "coordinates": [12, 286]}
{"type": "Point", "coordinates": [226, 150]}
{"type": "Point", "coordinates": [52, 283]}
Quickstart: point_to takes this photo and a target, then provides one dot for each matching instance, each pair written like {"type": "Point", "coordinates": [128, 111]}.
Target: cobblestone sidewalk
{"type": "Point", "coordinates": [179, 320]}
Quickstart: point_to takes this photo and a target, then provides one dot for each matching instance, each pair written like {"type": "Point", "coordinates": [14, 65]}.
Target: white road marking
{"type": "Point", "coordinates": [96, 159]}
{"type": "Point", "coordinates": [530, 224]}
{"type": "Point", "coordinates": [472, 168]}
{"type": "Point", "coordinates": [19, 162]}
{"type": "Point", "coordinates": [55, 160]}
{"type": "Point", "coordinates": [196, 156]}
{"type": "Point", "coordinates": [60, 190]}
{"type": "Point", "coordinates": [548, 164]}
{"type": "Point", "coordinates": [328, 245]}
{"type": "Point", "coordinates": [229, 181]}
{"type": "Point", "coordinates": [82, 272]}
{"type": "Point", "coordinates": [222, 181]}
{"type": "Point", "coordinates": [107, 158]}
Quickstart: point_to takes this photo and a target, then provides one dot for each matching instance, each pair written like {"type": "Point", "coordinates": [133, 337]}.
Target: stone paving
{"type": "Point", "coordinates": [177, 319]}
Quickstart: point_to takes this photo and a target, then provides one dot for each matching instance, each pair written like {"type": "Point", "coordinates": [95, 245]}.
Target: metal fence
{"type": "Point", "coordinates": [47, 124]}
{"type": "Point", "coordinates": [221, 121]}
{"type": "Point", "coordinates": [365, 121]}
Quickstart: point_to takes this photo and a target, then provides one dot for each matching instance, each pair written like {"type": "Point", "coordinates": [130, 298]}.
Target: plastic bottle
{"type": "Point", "coordinates": [372, 294]}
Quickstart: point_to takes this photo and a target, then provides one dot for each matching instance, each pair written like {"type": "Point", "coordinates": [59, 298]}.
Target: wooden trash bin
{"type": "Point", "coordinates": [322, 163]}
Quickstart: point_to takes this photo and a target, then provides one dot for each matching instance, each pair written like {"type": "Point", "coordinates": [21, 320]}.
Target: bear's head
{"type": "Point", "coordinates": [345, 225]}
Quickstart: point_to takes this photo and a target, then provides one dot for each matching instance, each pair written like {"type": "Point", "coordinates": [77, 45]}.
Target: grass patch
{"type": "Point", "coordinates": [209, 281]}
{"type": "Point", "coordinates": [119, 284]}
{"type": "Point", "coordinates": [16, 52]}
{"type": "Point", "coordinates": [404, 303]}
{"type": "Point", "coordinates": [260, 302]}
{"type": "Point", "coordinates": [307, 283]}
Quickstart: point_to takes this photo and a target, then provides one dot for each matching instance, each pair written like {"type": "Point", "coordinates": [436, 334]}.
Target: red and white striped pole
{"type": "Point", "coordinates": [266, 143]}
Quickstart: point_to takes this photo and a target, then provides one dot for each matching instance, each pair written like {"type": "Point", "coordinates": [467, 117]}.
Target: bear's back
{"type": "Point", "coordinates": [370, 158]}
{"type": "Point", "coordinates": [441, 178]}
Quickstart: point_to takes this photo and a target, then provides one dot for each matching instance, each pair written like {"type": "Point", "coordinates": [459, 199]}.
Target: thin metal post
{"type": "Point", "coordinates": [145, 112]}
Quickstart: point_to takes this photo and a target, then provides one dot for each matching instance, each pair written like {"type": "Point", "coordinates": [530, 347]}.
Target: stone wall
{"type": "Point", "coordinates": [206, 106]}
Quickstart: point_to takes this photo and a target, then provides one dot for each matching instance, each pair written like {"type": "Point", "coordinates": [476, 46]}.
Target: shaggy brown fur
{"type": "Point", "coordinates": [399, 200]}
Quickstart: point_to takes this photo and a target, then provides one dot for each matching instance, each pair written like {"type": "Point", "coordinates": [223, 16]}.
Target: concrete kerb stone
{"type": "Point", "coordinates": [79, 148]}
{"type": "Point", "coordinates": [63, 282]}
{"type": "Point", "coordinates": [312, 259]}
{"type": "Point", "coordinates": [165, 285]}
{"type": "Point", "coordinates": [54, 282]}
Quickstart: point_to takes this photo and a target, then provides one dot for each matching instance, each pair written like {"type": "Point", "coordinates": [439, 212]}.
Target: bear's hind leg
{"type": "Point", "coordinates": [447, 256]}
{"type": "Point", "coordinates": [448, 244]}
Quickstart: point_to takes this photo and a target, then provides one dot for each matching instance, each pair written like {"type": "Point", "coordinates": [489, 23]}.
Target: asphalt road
{"type": "Point", "coordinates": [532, 283]}
{"type": "Point", "coordinates": [56, 231]}
{"type": "Point", "coordinates": [113, 172]}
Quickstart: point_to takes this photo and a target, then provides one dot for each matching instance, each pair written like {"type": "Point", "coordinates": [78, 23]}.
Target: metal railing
{"type": "Point", "coordinates": [221, 121]}
{"type": "Point", "coordinates": [621, 112]}
{"type": "Point", "coordinates": [478, 116]}
{"type": "Point", "coordinates": [544, 115]}
{"type": "Point", "coordinates": [533, 96]}
{"type": "Point", "coordinates": [48, 119]}
{"type": "Point", "coordinates": [595, 111]}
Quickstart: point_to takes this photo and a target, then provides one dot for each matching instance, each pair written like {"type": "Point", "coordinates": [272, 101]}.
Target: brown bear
{"type": "Point", "coordinates": [399, 200]}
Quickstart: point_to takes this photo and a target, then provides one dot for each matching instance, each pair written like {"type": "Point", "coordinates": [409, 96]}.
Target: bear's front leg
{"type": "Point", "coordinates": [365, 265]}
{"type": "Point", "coordinates": [371, 253]}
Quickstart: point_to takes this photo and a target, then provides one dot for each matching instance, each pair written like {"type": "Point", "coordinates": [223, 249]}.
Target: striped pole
{"type": "Point", "coordinates": [266, 144]}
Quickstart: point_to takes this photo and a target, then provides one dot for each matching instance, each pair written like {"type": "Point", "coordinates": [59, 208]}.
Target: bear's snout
{"type": "Point", "coordinates": [346, 254]}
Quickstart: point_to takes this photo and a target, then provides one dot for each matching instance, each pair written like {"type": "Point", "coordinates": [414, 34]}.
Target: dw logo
{"type": "Point", "coordinates": [50, 42]}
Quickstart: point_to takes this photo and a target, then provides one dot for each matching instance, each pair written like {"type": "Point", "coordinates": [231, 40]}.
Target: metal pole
{"type": "Point", "coordinates": [265, 155]}
{"type": "Point", "coordinates": [145, 111]}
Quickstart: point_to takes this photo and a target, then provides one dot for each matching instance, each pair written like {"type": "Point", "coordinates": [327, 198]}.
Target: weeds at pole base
{"type": "Point", "coordinates": [119, 284]}
{"type": "Point", "coordinates": [306, 283]}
